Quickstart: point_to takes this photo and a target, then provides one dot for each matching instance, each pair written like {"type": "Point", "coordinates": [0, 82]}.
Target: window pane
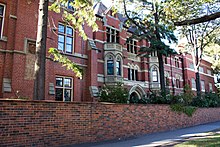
{"type": "Point", "coordinates": [1, 10]}
{"type": "Point", "coordinates": [154, 76]}
{"type": "Point", "coordinates": [129, 75]}
{"type": "Point", "coordinates": [69, 40]}
{"type": "Point", "coordinates": [59, 81]}
{"type": "Point", "coordinates": [69, 31]}
{"type": "Point", "coordinates": [59, 94]}
{"type": "Point", "coordinates": [67, 82]}
{"type": "Point", "coordinates": [110, 67]}
{"type": "Point", "coordinates": [61, 38]}
{"type": "Point", "coordinates": [68, 48]}
{"type": "Point", "coordinates": [67, 95]}
{"type": "Point", "coordinates": [61, 46]}
{"type": "Point", "coordinates": [118, 68]}
{"type": "Point", "coordinates": [61, 28]}
{"type": "Point", "coordinates": [132, 74]}
{"type": "Point", "coordinates": [136, 75]}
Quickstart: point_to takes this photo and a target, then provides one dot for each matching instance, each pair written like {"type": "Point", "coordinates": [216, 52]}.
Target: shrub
{"type": "Point", "coordinates": [114, 93]}
{"type": "Point", "coordinates": [207, 100]}
{"type": "Point", "coordinates": [188, 110]}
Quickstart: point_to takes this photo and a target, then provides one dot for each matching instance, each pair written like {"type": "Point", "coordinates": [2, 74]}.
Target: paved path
{"type": "Point", "coordinates": [157, 139]}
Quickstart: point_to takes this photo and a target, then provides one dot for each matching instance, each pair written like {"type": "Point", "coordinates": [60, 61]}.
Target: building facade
{"type": "Point", "coordinates": [106, 57]}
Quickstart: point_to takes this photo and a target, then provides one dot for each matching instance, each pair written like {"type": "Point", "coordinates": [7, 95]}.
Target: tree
{"type": "Point", "coordinates": [150, 24]}
{"type": "Point", "coordinates": [198, 35]}
{"type": "Point", "coordinates": [39, 83]}
{"type": "Point", "coordinates": [188, 12]}
{"type": "Point", "coordinates": [82, 14]}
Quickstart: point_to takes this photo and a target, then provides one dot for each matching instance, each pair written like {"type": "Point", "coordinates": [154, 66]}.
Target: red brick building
{"type": "Point", "coordinates": [105, 57]}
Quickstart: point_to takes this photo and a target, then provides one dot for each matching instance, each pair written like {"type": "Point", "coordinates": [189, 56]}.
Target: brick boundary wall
{"type": "Point", "coordinates": [40, 123]}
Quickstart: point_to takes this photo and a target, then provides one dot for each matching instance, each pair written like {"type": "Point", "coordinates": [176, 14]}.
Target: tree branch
{"type": "Point", "coordinates": [204, 18]}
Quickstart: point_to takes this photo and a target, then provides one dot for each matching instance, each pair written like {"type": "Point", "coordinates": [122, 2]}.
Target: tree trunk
{"type": "Point", "coordinates": [160, 56]}
{"type": "Point", "coordinates": [161, 70]}
{"type": "Point", "coordinates": [39, 83]}
{"type": "Point", "coordinates": [198, 85]}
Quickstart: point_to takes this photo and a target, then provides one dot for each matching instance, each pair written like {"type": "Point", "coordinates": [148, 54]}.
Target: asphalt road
{"type": "Point", "coordinates": [157, 139]}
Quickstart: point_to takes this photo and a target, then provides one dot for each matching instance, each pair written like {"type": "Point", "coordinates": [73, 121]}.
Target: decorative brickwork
{"type": "Point", "coordinates": [28, 123]}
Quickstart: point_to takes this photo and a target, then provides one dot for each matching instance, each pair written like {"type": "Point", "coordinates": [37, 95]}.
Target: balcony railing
{"type": "Point", "coordinates": [113, 79]}
{"type": "Point", "coordinates": [112, 46]}
{"type": "Point", "coordinates": [154, 85]}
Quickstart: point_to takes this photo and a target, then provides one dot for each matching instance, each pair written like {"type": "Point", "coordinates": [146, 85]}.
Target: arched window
{"type": "Point", "coordinates": [154, 74]}
{"type": "Point", "coordinates": [118, 66]}
{"type": "Point", "coordinates": [110, 66]}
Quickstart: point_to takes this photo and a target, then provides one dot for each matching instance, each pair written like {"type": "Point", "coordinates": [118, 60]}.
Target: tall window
{"type": "Point", "coordinates": [210, 87]}
{"type": "Point", "coordinates": [209, 72]}
{"type": "Point", "coordinates": [193, 83]}
{"type": "Point", "coordinates": [110, 66]}
{"type": "Point", "coordinates": [132, 46]}
{"type": "Point", "coordinates": [167, 81]}
{"type": "Point", "coordinates": [201, 69]}
{"type": "Point", "coordinates": [203, 85]}
{"type": "Point", "coordinates": [177, 83]}
{"type": "Point", "coordinates": [132, 74]}
{"type": "Point", "coordinates": [64, 89]}
{"type": "Point", "coordinates": [65, 38]}
{"type": "Point", "coordinates": [177, 62]}
{"type": "Point", "coordinates": [165, 60]}
{"type": "Point", "coordinates": [118, 66]}
{"type": "Point", "coordinates": [154, 75]}
{"type": "Point", "coordinates": [191, 66]}
{"type": "Point", "coordinates": [2, 15]}
{"type": "Point", "coordinates": [153, 54]}
{"type": "Point", "coordinates": [112, 35]}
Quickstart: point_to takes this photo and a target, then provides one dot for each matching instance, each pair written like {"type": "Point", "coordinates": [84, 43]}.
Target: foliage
{"type": "Point", "coordinates": [66, 62]}
{"type": "Point", "coordinates": [207, 100]}
{"type": "Point", "coordinates": [213, 52]}
{"type": "Point", "coordinates": [188, 110]}
{"type": "Point", "coordinates": [114, 94]}
{"type": "Point", "coordinates": [81, 14]}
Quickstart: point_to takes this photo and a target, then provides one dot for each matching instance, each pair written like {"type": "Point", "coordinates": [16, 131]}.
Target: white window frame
{"type": "Point", "coordinates": [153, 54]}
{"type": "Point", "coordinates": [65, 36]}
{"type": "Point", "coordinates": [63, 87]}
{"type": "Point", "coordinates": [191, 65]}
{"type": "Point", "coordinates": [209, 72]}
{"type": "Point", "coordinates": [201, 69]}
{"type": "Point", "coordinates": [112, 35]}
{"type": "Point", "coordinates": [3, 19]}
{"type": "Point", "coordinates": [132, 46]}
{"type": "Point", "coordinates": [202, 85]}
{"type": "Point", "coordinates": [154, 70]}
{"type": "Point", "coordinates": [176, 62]}
{"type": "Point", "coordinates": [210, 87]}
{"type": "Point", "coordinates": [193, 82]}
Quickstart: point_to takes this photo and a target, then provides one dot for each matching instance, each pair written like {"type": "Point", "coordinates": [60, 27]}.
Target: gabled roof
{"type": "Point", "coordinates": [100, 9]}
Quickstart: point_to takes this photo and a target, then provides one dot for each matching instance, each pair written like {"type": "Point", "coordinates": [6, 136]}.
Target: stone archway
{"type": "Point", "coordinates": [136, 93]}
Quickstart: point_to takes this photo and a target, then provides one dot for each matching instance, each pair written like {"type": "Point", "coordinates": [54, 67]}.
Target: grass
{"type": "Point", "coordinates": [204, 141]}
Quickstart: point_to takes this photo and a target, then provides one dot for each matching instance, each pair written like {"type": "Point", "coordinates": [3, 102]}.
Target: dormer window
{"type": "Point", "coordinates": [112, 35]}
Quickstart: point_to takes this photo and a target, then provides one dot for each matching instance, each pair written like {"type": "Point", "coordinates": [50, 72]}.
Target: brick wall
{"type": "Point", "coordinates": [56, 123]}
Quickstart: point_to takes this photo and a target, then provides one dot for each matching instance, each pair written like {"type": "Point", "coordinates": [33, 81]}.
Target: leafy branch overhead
{"type": "Point", "coordinates": [82, 13]}
{"type": "Point", "coordinates": [66, 62]}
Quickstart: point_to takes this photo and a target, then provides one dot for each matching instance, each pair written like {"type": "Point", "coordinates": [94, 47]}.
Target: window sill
{"type": "Point", "coordinates": [4, 38]}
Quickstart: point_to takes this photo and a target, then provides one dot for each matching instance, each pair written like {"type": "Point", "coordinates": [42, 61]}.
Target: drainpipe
{"type": "Point", "coordinates": [171, 69]}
